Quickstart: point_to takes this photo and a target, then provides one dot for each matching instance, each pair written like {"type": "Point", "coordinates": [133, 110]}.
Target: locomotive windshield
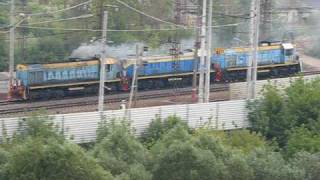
{"type": "Point", "coordinates": [288, 52]}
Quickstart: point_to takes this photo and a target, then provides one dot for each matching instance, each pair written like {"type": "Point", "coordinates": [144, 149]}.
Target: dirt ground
{"type": "Point", "coordinates": [310, 63]}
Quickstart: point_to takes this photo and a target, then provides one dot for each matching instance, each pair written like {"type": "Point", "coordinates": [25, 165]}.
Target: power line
{"type": "Point", "coordinates": [59, 20]}
{"type": "Point", "coordinates": [61, 10]}
{"type": "Point", "coordinates": [124, 30]}
{"type": "Point", "coordinates": [147, 15]}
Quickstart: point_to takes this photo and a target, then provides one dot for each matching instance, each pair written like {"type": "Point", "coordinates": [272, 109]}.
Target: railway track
{"type": "Point", "coordinates": [12, 108]}
{"type": "Point", "coordinates": [311, 73]}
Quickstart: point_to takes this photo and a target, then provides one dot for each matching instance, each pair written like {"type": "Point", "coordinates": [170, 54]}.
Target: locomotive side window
{"type": "Point", "coordinates": [108, 67]}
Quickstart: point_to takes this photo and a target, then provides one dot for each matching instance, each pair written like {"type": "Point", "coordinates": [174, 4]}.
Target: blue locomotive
{"type": "Point", "coordinates": [62, 79]}
{"type": "Point", "coordinates": [59, 79]}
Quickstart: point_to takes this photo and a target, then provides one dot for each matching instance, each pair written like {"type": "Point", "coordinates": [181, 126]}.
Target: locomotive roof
{"type": "Point", "coordinates": [261, 48]}
{"type": "Point", "coordinates": [158, 58]}
{"type": "Point", "coordinates": [69, 64]}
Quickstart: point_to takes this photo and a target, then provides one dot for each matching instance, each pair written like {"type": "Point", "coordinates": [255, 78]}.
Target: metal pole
{"type": "Point", "coordinates": [203, 44]}
{"type": "Point", "coordinates": [254, 41]}
{"type": "Point", "coordinates": [250, 60]}
{"type": "Point", "coordinates": [134, 83]}
{"type": "Point", "coordinates": [11, 46]}
{"type": "Point", "coordinates": [256, 48]}
{"type": "Point", "coordinates": [196, 60]}
{"type": "Point", "coordinates": [102, 62]}
{"type": "Point", "coordinates": [209, 52]}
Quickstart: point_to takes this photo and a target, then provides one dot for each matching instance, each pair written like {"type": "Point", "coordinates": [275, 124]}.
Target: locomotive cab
{"type": "Point", "coordinates": [288, 52]}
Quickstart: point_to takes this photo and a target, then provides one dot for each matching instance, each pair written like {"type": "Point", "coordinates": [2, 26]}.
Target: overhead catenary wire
{"type": "Point", "coordinates": [125, 30]}
{"type": "Point", "coordinates": [150, 16]}
{"type": "Point", "coordinates": [66, 19]}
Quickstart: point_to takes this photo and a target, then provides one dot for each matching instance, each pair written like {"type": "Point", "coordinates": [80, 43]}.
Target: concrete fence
{"type": "Point", "coordinates": [82, 126]}
{"type": "Point", "coordinates": [239, 90]}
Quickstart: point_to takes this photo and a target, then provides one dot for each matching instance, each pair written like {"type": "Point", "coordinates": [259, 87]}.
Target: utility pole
{"type": "Point", "coordinates": [209, 53]}
{"type": "Point", "coordinates": [11, 46]}
{"type": "Point", "coordinates": [254, 42]}
{"type": "Point", "coordinates": [24, 30]}
{"type": "Point", "coordinates": [134, 83]}
{"type": "Point", "coordinates": [256, 47]}
{"type": "Point", "coordinates": [203, 53]}
{"type": "Point", "coordinates": [266, 19]}
{"type": "Point", "coordinates": [250, 60]}
{"type": "Point", "coordinates": [102, 61]}
{"type": "Point", "coordinates": [196, 56]}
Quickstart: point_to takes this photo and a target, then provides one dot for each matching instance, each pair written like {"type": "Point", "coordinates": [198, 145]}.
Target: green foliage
{"type": "Point", "coordinates": [35, 159]}
{"type": "Point", "coordinates": [266, 115]}
{"type": "Point", "coordinates": [158, 128]}
{"type": "Point", "coordinates": [179, 155]}
{"type": "Point", "coordinates": [277, 116]}
{"type": "Point", "coordinates": [310, 163]}
{"type": "Point", "coordinates": [39, 151]}
{"type": "Point", "coordinates": [3, 55]}
{"type": "Point", "coordinates": [301, 139]}
{"type": "Point", "coordinates": [4, 156]}
{"type": "Point", "coordinates": [121, 153]}
{"type": "Point", "coordinates": [184, 161]}
{"type": "Point", "coordinates": [38, 125]}
{"type": "Point", "coordinates": [244, 140]}
{"type": "Point", "coordinates": [234, 161]}
{"type": "Point", "coordinates": [271, 166]}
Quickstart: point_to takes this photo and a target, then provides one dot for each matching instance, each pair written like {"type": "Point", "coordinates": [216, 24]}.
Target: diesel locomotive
{"type": "Point", "coordinates": [34, 81]}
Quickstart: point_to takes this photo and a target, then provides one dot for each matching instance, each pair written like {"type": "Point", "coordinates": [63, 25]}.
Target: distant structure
{"type": "Point", "coordinates": [266, 20]}
{"type": "Point", "coordinates": [297, 11]}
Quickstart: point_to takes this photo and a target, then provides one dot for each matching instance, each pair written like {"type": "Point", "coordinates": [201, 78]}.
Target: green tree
{"type": "Point", "coordinates": [277, 114]}
{"type": "Point", "coordinates": [184, 161]}
{"type": "Point", "coordinates": [38, 125]}
{"type": "Point", "coordinates": [310, 163]}
{"type": "Point", "coordinates": [121, 153]}
{"type": "Point", "coordinates": [36, 159]}
{"type": "Point", "coordinates": [268, 165]}
{"type": "Point", "coordinates": [39, 151]}
{"type": "Point", "coordinates": [301, 139]}
{"type": "Point", "coordinates": [244, 140]}
{"type": "Point", "coordinates": [180, 155]}
{"type": "Point", "coordinates": [266, 115]}
{"type": "Point", "coordinates": [159, 127]}
{"type": "Point", "coordinates": [4, 156]}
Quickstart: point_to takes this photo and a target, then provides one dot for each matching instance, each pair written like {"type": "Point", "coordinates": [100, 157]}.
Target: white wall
{"type": "Point", "coordinates": [82, 126]}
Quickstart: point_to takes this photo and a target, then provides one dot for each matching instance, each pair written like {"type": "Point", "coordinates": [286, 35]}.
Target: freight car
{"type": "Point", "coordinates": [62, 79]}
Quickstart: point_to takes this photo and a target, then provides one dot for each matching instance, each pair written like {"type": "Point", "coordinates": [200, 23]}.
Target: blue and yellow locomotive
{"type": "Point", "coordinates": [62, 79]}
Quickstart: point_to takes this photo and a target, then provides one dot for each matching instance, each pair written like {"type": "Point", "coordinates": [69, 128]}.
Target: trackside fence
{"type": "Point", "coordinates": [81, 127]}
{"type": "Point", "coordinates": [240, 90]}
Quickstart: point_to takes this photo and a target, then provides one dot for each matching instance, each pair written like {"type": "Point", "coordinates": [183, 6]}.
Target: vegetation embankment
{"type": "Point", "coordinates": [283, 143]}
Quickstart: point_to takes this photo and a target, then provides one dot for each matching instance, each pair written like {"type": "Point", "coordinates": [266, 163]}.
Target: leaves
{"type": "Point", "coordinates": [276, 115]}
